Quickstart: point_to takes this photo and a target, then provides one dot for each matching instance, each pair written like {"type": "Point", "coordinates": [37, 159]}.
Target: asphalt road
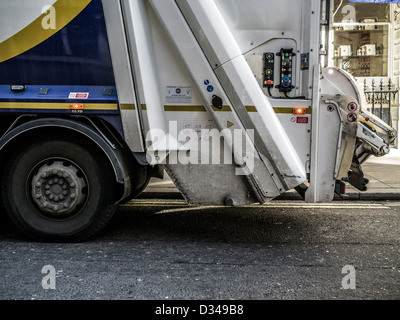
{"type": "Point", "coordinates": [165, 250]}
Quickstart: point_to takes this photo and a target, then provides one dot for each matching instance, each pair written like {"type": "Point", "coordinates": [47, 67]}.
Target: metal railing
{"type": "Point", "coordinates": [381, 98]}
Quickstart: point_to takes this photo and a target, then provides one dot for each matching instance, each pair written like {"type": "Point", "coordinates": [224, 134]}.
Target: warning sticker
{"type": "Point", "coordinates": [78, 95]}
{"type": "Point", "coordinates": [302, 120]}
{"type": "Point", "coordinates": [201, 127]}
{"type": "Point", "coordinates": [176, 94]}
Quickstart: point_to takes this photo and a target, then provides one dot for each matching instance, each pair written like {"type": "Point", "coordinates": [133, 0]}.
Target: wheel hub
{"type": "Point", "coordinates": [59, 188]}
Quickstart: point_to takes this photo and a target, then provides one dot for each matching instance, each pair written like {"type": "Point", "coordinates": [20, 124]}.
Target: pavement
{"type": "Point", "coordinates": [383, 174]}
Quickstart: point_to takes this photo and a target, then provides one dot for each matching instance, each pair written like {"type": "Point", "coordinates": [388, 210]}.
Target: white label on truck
{"type": "Point", "coordinates": [78, 95]}
{"type": "Point", "coordinates": [174, 94]}
{"type": "Point", "coordinates": [201, 128]}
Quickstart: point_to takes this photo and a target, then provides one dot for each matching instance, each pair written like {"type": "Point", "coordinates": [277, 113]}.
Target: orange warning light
{"type": "Point", "coordinates": [299, 110]}
{"type": "Point", "coordinates": [76, 106]}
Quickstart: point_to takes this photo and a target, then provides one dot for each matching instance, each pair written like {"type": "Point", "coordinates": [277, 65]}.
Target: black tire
{"type": "Point", "coordinates": [58, 190]}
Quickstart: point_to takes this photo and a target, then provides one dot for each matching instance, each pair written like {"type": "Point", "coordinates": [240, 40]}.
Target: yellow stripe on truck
{"type": "Point", "coordinates": [34, 34]}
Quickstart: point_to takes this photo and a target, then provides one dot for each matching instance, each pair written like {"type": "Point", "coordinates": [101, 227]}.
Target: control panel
{"type": "Point", "coordinates": [269, 68]}
{"type": "Point", "coordinates": [286, 67]}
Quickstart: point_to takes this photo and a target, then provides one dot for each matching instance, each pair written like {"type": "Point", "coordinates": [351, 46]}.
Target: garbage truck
{"type": "Point", "coordinates": [231, 99]}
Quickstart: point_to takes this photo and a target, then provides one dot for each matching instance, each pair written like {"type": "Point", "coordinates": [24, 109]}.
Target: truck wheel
{"type": "Point", "coordinates": [58, 190]}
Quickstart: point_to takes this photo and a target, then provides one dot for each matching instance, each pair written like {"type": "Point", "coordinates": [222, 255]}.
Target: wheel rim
{"type": "Point", "coordinates": [59, 188]}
